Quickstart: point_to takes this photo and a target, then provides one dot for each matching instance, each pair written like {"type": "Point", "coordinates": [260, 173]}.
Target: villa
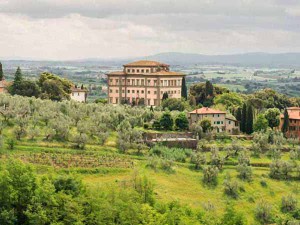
{"type": "Point", "coordinates": [294, 122]}
{"type": "Point", "coordinates": [143, 83]}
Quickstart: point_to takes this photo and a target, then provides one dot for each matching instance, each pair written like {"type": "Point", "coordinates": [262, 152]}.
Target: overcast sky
{"type": "Point", "coordinates": [76, 29]}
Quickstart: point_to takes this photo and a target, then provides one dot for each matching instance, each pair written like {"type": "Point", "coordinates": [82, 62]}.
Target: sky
{"type": "Point", "coordinates": [106, 29]}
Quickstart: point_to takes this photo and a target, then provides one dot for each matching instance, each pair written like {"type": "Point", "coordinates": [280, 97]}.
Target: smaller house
{"type": "Point", "coordinates": [294, 122]}
{"type": "Point", "coordinates": [78, 94]}
{"type": "Point", "coordinates": [220, 120]}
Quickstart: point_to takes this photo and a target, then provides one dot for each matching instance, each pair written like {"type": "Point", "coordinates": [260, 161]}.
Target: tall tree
{"type": "Point", "coordinates": [18, 76]}
{"type": "Point", "coordinates": [249, 120]}
{"type": "Point", "coordinates": [183, 89]}
{"type": "Point", "coordinates": [1, 72]}
{"type": "Point", "coordinates": [209, 89]}
{"type": "Point", "coordinates": [285, 125]}
{"type": "Point", "coordinates": [244, 118]}
{"type": "Point", "coordinates": [165, 96]}
{"type": "Point", "coordinates": [272, 115]}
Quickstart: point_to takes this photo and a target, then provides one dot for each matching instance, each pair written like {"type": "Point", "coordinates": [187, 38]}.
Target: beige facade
{"type": "Point", "coordinates": [219, 119]}
{"type": "Point", "coordinates": [143, 82]}
{"type": "Point", "coordinates": [79, 95]}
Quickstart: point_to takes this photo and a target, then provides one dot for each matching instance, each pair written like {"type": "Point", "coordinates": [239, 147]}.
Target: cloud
{"type": "Point", "coordinates": [71, 29]}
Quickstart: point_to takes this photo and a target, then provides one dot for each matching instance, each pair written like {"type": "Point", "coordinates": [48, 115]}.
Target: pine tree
{"type": "Point", "coordinates": [1, 72]}
{"type": "Point", "coordinates": [183, 89]}
{"type": "Point", "coordinates": [285, 125]}
{"type": "Point", "coordinates": [244, 118]}
{"type": "Point", "coordinates": [18, 77]}
{"type": "Point", "coordinates": [249, 120]}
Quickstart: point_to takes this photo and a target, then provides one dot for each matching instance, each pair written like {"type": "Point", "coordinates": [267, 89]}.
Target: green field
{"type": "Point", "coordinates": [103, 166]}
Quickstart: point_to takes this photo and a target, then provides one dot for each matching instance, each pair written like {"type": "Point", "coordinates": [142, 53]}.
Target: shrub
{"type": "Point", "coordinates": [263, 183]}
{"type": "Point", "coordinates": [280, 169]}
{"type": "Point", "coordinates": [288, 203]}
{"type": "Point", "coordinates": [166, 121]}
{"type": "Point", "coordinates": [210, 175]}
{"type": "Point", "coordinates": [176, 154]}
{"type": "Point", "coordinates": [245, 172]}
{"type": "Point", "coordinates": [198, 159]}
{"type": "Point", "coordinates": [11, 143]}
{"type": "Point", "coordinates": [263, 212]}
{"type": "Point", "coordinates": [167, 165]}
{"type": "Point", "coordinates": [153, 162]}
{"type": "Point", "coordinates": [231, 188]}
{"type": "Point", "coordinates": [146, 126]}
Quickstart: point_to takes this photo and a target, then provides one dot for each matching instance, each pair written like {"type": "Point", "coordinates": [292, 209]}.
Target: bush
{"type": "Point", "coordinates": [167, 165]}
{"type": "Point", "coordinates": [263, 212]}
{"type": "Point", "coordinates": [146, 126]}
{"type": "Point", "coordinates": [198, 159]}
{"type": "Point", "coordinates": [11, 143]}
{"type": "Point", "coordinates": [166, 121]}
{"type": "Point", "coordinates": [263, 183]}
{"type": "Point", "coordinates": [280, 169]}
{"type": "Point", "coordinates": [288, 203]}
{"type": "Point", "coordinates": [210, 175]}
{"type": "Point", "coordinates": [245, 172]}
{"type": "Point", "coordinates": [176, 154]}
{"type": "Point", "coordinates": [231, 188]}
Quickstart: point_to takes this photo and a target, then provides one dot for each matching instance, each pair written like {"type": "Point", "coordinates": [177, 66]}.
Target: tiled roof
{"type": "Point", "coordinates": [205, 110]}
{"type": "Point", "coordinates": [146, 63]}
{"type": "Point", "coordinates": [294, 114]}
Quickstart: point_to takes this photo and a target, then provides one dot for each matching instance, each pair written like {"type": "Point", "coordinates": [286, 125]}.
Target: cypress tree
{"type": "Point", "coordinates": [183, 89]}
{"type": "Point", "coordinates": [209, 89]}
{"type": "Point", "coordinates": [249, 120]}
{"type": "Point", "coordinates": [1, 72]}
{"type": "Point", "coordinates": [286, 122]}
{"type": "Point", "coordinates": [165, 96]}
{"type": "Point", "coordinates": [238, 115]}
{"type": "Point", "coordinates": [244, 118]}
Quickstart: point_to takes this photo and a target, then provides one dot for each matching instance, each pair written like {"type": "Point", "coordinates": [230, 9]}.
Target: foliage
{"type": "Point", "coordinates": [288, 203]}
{"type": "Point", "coordinates": [210, 175]}
{"type": "Point", "coordinates": [272, 115]}
{"type": "Point", "coordinates": [244, 118]}
{"type": "Point", "coordinates": [263, 212]}
{"type": "Point", "coordinates": [280, 169]}
{"type": "Point", "coordinates": [231, 217]}
{"type": "Point", "coordinates": [261, 123]}
{"type": "Point", "coordinates": [249, 120]}
{"type": "Point", "coordinates": [182, 122]}
{"type": "Point", "coordinates": [165, 96]}
{"type": "Point", "coordinates": [206, 125]}
{"type": "Point", "coordinates": [197, 130]}
{"type": "Point", "coordinates": [183, 89]}
{"type": "Point", "coordinates": [1, 72]}
{"type": "Point", "coordinates": [230, 100]}
{"type": "Point", "coordinates": [199, 159]}
{"type": "Point", "coordinates": [53, 87]}
{"type": "Point", "coordinates": [231, 187]}
{"type": "Point", "coordinates": [166, 121]}
{"type": "Point", "coordinates": [285, 125]}
{"type": "Point", "coordinates": [175, 104]}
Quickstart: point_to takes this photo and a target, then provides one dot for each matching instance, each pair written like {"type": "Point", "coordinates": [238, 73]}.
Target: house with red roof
{"type": "Point", "coordinates": [221, 121]}
{"type": "Point", "coordinates": [143, 82]}
{"type": "Point", "coordinates": [294, 122]}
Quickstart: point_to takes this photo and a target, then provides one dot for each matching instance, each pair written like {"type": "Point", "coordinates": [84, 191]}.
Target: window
{"type": "Point", "coordinates": [155, 82]}
{"type": "Point", "coordinates": [149, 82]}
{"type": "Point", "coordinates": [133, 91]}
{"type": "Point", "coordinates": [117, 91]}
{"type": "Point", "coordinates": [128, 81]}
{"type": "Point", "coordinates": [149, 92]}
{"type": "Point", "coordinates": [111, 100]}
{"type": "Point", "coordinates": [137, 70]}
{"type": "Point", "coordinates": [142, 71]}
{"type": "Point", "coordinates": [128, 91]}
{"type": "Point", "coordinates": [133, 82]}
{"type": "Point", "coordinates": [155, 92]}
{"type": "Point", "coordinates": [147, 70]}
{"type": "Point", "coordinates": [148, 102]}
{"type": "Point", "coordinates": [117, 100]}
{"type": "Point", "coordinates": [123, 91]}
{"type": "Point", "coordinates": [138, 82]}
{"type": "Point", "coordinates": [142, 82]}
{"type": "Point", "coordinates": [128, 70]}
{"type": "Point", "coordinates": [218, 115]}
{"type": "Point", "coordinates": [117, 81]}
{"type": "Point", "coordinates": [229, 122]}
{"type": "Point", "coordinates": [142, 91]}
{"type": "Point", "coordinates": [133, 70]}
{"type": "Point", "coordinates": [110, 90]}
{"type": "Point", "coordinates": [218, 122]}
{"type": "Point", "coordinates": [138, 91]}
{"type": "Point", "coordinates": [110, 81]}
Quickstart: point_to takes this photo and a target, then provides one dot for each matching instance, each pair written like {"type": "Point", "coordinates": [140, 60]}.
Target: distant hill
{"type": "Point", "coordinates": [248, 59]}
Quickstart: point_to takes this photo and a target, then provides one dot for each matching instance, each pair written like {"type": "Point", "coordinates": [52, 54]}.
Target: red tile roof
{"type": "Point", "coordinates": [205, 110]}
{"type": "Point", "coordinates": [146, 63]}
{"type": "Point", "coordinates": [294, 113]}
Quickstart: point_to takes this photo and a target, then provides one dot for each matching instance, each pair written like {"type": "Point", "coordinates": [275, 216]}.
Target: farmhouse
{"type": "Point", "coordinates": [143, 82]}
{"type": "Point", "coordinates": [294, 122]}
{"type": "Point", "coordinates": [78, 94]}
{"type": "Point", "coordinates": [220, 120]}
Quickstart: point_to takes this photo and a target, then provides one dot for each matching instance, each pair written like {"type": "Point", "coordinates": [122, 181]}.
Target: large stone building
{"type": "Point", "coordinates": [143, 82]}
{"type": "Point", "coordinates": [78, 94]}
{"type": "Point", "coordinates": [220, 120]}
{"type": "Point", "coordinates": [294, 122]}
